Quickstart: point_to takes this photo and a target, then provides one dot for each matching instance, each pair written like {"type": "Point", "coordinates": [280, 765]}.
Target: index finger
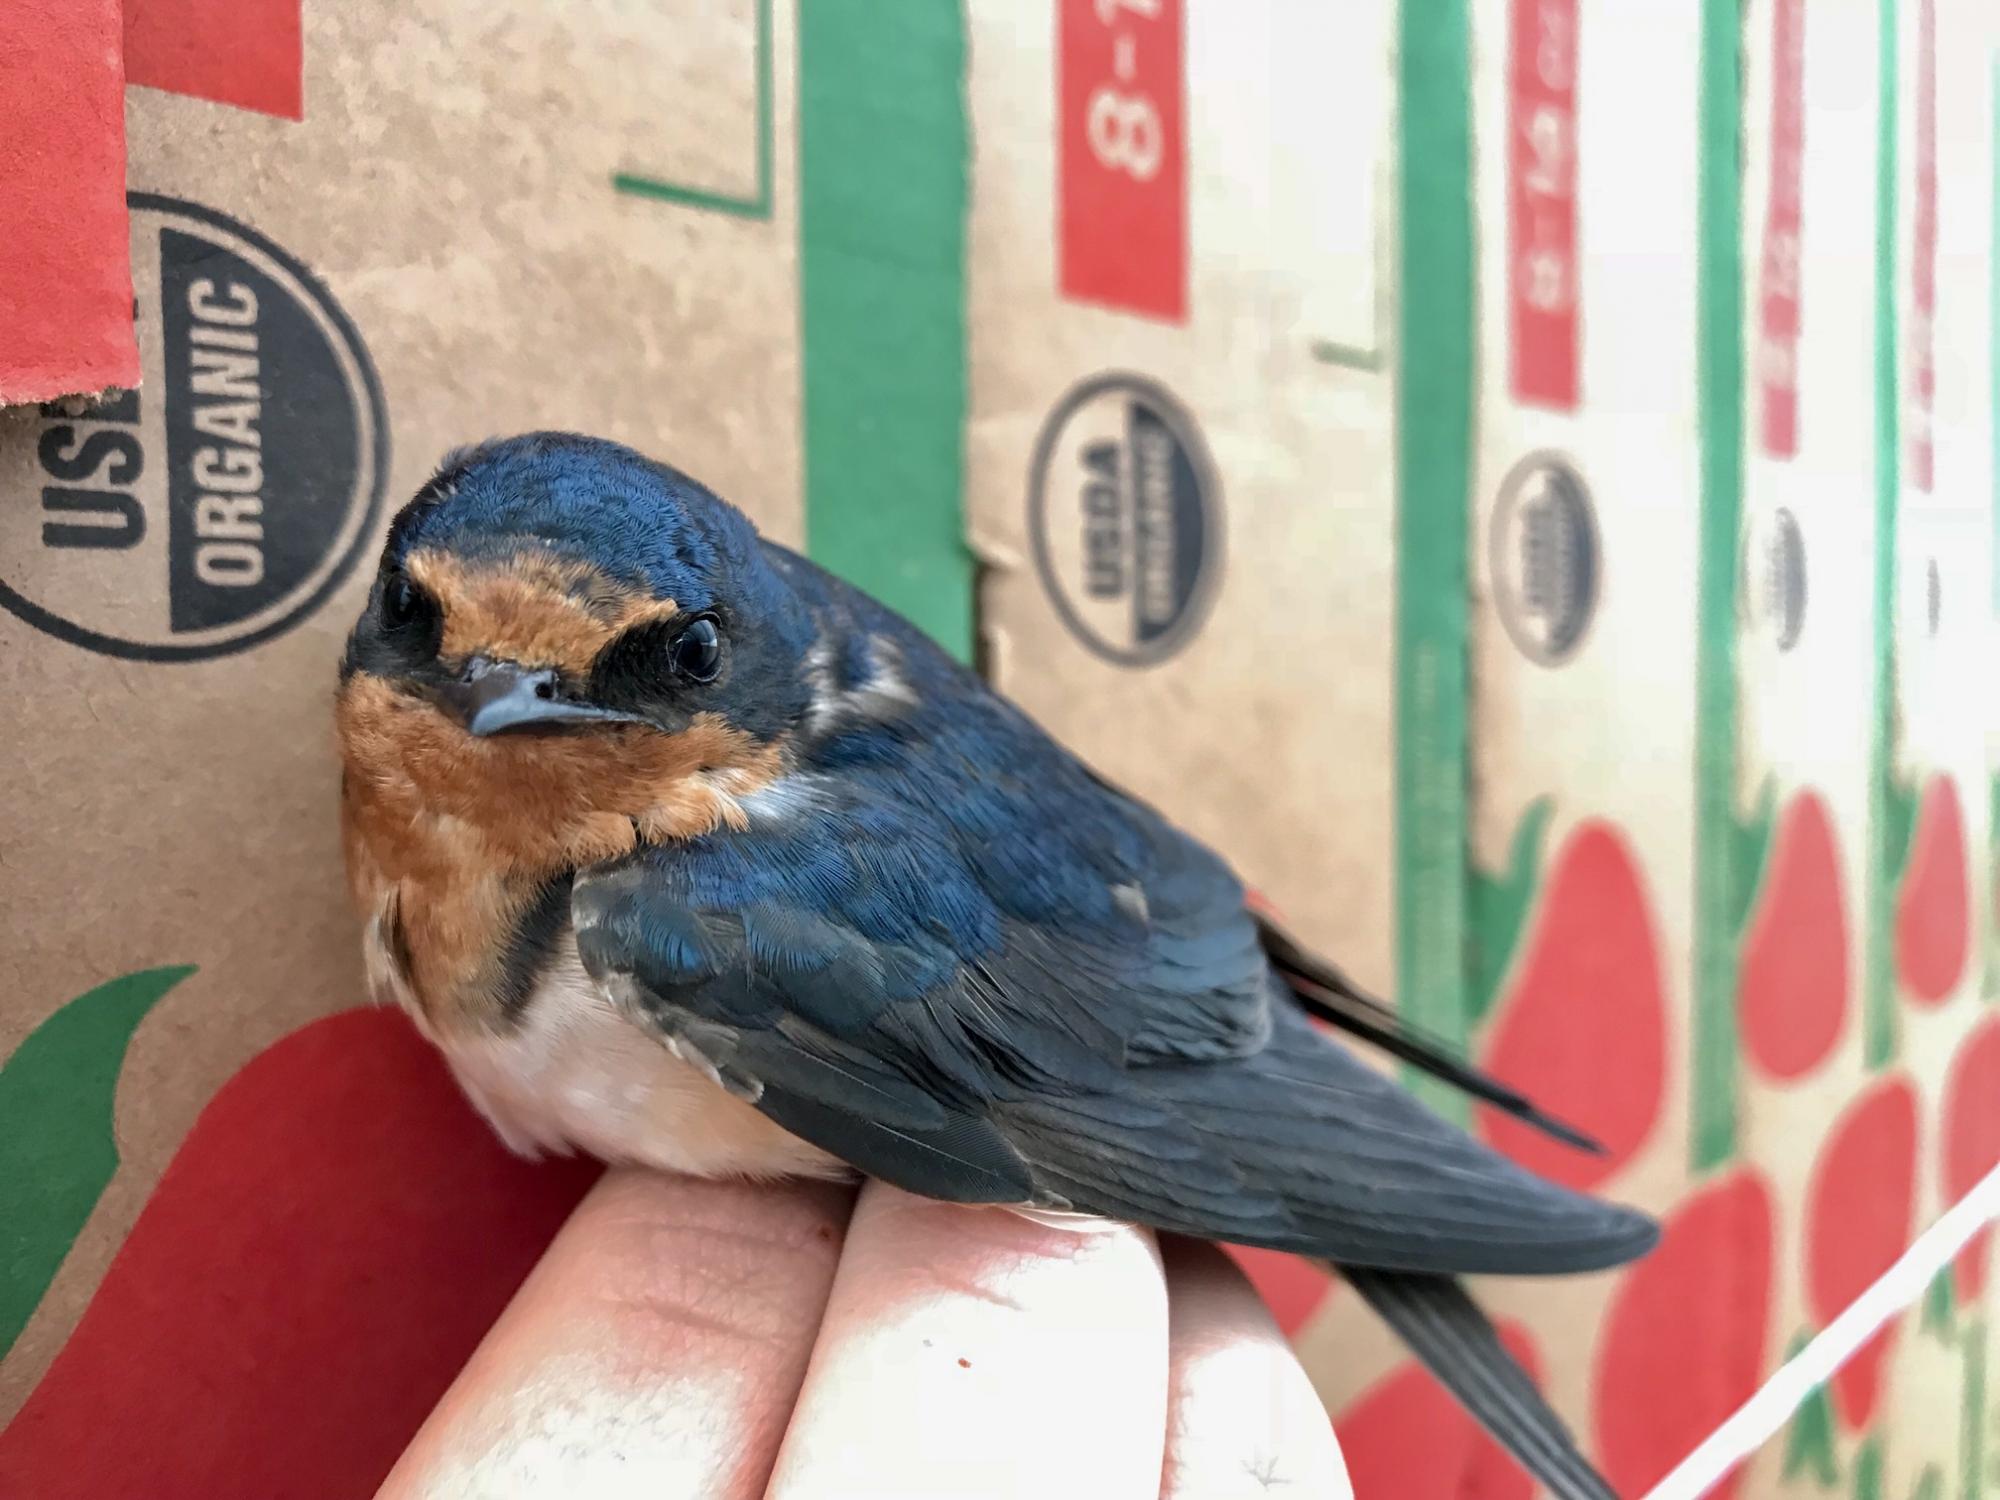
{"type": "Point", "coordinates": [972, 1352]}
{"type": "Point", "coordinates": [656, 1349]}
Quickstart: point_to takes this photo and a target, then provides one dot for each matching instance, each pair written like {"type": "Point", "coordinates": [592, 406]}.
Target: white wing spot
{"type": "Point", "coordinates": [884, 695]}
{"type": "Point", "coordinates": [1131, 899]}
{"type": "Point", "coordinates": [786, 797]}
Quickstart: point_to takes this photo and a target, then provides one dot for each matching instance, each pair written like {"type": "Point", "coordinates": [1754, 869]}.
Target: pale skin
{"type": "Point", "coordinates": [728, 1340]}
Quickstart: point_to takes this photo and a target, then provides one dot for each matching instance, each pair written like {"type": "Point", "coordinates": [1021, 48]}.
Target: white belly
{"type": "Point", "coordinates": [578, 1076]}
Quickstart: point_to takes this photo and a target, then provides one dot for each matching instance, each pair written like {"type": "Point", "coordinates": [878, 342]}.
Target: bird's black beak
{"type": "Point", "coordinates": [492, 697]}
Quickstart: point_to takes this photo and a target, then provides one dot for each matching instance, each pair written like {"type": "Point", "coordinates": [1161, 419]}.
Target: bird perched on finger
{"type": "Point", "coordinates": [686, 853]}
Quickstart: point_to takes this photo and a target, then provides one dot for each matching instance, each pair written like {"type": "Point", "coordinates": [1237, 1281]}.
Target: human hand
{"type": "Point", "coordinates": [687, 1338]}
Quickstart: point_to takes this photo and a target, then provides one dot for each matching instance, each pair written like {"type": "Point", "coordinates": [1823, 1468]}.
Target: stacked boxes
{"type": "Point", "coordinates": [1517, 475]}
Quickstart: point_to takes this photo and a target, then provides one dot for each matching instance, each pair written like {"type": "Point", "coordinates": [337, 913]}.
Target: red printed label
{"type": "Point", "coordinates": [1778, 317]}
{"type": "Point", "coordinates": [1122, 160]}
{"type": "Point", "coordinates": [65, 263]}
{"type": "Point", "coordinates": [243, 52]}
{"type": "Point", "coordinates": [1541, 202]}
{"type": "Point", "coordinates": [1923, 257]}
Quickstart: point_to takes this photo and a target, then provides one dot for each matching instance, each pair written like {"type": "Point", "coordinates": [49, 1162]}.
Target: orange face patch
{"type": "Point", "coordinates": [460, 832]}
{"type": "Point", "coordinates": [533, 609]}
{"type": "Point", "coordinates": [546, 802]}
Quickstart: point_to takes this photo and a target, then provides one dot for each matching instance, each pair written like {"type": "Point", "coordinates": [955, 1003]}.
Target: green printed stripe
{"type": "Point", "coordinates": [1991, 982]}
{"type": "Point", "coordinates": [1879, 993]}
{"type": "Point", "coordinates": [58, 1135]}
{"type": "Point", "coordinates": [882, 208]}
{"type": "Point", "coordinates": [1715, 1063]}
{"type": "Point", "coordinates": [757, 203]}
{"type": "Point", "coordinates": [1433, 476]}
{"type": "Point", "coordinates": [1972, 1413]}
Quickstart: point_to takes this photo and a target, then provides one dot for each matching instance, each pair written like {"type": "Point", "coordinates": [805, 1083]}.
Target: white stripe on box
{"type": "Point", "coordinates": [1757, 1420]}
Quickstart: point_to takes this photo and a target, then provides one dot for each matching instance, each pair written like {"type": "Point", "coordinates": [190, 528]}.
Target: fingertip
{"type": "Point", "coordinates": [1243, 1418]}
{"type": "Point", "coordinates": [972, 1352]}
{"type": "Point", "coordinates": [659, 1343]}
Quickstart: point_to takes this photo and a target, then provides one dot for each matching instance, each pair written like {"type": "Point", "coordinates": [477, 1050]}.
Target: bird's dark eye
{"type": "Point", "coordinates": [696, 652]}
{"type": "Point", "coordinates": [406, 605]}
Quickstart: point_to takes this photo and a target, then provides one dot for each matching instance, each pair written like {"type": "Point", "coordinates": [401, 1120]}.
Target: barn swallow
{"type": "Point", "coordinates": [687, 853]}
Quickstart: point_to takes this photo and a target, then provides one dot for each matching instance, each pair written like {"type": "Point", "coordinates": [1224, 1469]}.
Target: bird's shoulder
{"type": "Point", "coordinates": [937, 909]}
{"type": "Point", "coordinates": [907, 756]}
{"type": "Point", "coordinates": [930, 847]}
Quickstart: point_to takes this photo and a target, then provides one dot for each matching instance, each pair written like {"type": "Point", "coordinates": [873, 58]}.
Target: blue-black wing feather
{"type": "Point", "coordinates": [953, 956]}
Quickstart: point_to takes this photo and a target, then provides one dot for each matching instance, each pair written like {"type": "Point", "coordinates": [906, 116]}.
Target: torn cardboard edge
{"type": "Point", "coordinates": [65, 269]}
{"type": "Point", "coordinates": [65, 266]}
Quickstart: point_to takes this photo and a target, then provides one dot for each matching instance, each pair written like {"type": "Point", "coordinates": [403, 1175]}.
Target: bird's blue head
{"type": "Point", "coordinates": [554, 611]}
{"type": "Point", "coordinates": [580, 503]}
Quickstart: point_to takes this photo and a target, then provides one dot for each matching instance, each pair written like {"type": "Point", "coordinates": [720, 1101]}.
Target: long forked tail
{"type": "Point", "coordinates": [1456, 1342]}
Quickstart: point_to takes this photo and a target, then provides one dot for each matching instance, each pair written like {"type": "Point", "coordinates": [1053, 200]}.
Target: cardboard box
{"type": "Point", "coordinates": [1594, 522]}
{"type": "Point", "coordinates": [459, 221]}
{"type": "Point", "coordinates": [1474, 463]}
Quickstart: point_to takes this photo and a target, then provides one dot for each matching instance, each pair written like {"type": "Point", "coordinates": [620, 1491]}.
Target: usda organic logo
{"type": "Point", "coordinates": [1126, 519]}
{"type": "Point", "coordinates": [221, 502]}
{"type": "Point", "coordinates": [1774, 577]}
{"type": "Point", "coordinates": [1544, 557]}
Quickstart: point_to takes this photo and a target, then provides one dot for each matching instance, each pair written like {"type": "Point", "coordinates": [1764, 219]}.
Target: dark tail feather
{"type": "Point", "coordinates": [1453, 1338]}
{"type": "Point", "coordinates": [1323, 991]}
